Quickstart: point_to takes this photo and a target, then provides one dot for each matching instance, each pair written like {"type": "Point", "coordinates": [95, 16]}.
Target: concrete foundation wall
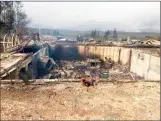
{"type": "Point", "coordinates": [139, 62]}
{"type": "Point", "coordinates": [145, 65]}
{"type": "Point", "coordinates": [101, 52]}
{"type": "Point", "coordinates": [125, 55]}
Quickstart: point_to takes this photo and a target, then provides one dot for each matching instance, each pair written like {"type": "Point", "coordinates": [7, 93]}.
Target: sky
{"type": "Point", "coordinates": [131, 15]}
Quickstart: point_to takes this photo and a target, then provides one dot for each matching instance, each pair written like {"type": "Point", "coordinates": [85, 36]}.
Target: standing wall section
{"type": "Point", "coordinates": [154, 69]}
{"type": "Point", "coordinates": [125, 56]}
{"type": "Point", "coordinates": [145, 65]}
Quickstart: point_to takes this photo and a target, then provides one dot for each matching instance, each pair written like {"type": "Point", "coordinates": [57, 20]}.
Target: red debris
{"type": "Point", "coordinates": [88, 82]}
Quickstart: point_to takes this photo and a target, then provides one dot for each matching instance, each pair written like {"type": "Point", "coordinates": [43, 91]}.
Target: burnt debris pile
{"type": "Point", "coordinates": [91, 71]}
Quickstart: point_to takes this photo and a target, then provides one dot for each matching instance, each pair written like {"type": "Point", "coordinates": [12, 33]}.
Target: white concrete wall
{"type": "Point", "coordinates": [145, 65]}
{"type": "Point", "coordinates": [154, 69]}
{"type": "Point", "coordinates": [125, 56]}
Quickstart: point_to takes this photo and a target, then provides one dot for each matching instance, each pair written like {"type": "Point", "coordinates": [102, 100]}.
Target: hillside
{"type": "Point", "coordinates": [73, 34]}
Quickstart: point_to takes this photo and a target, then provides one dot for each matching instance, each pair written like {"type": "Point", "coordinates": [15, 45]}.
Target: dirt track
{"type": "Point", "coordinates": [109, 101]}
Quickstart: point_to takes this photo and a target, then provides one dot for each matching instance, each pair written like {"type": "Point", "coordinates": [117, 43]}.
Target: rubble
{"type": "Point", "coordinates": [91, 69]}
{"type": "Point", "coordinates": [150, 42]}
{"type": "Point", "coordinates": [88, 82]}
{"type": "Point", "coordinates": [12, 62]}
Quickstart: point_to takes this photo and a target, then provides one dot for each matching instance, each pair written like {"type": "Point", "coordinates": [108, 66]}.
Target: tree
{"type": "Point", "coordinates": [115, 34]}
{"type": "Point", "coordinates": [124, 39]}
{"type": "Point", "coordinates": [97, 34]}
{"type": "Point", "coordinates": [106, 35]}
{"type": "Point", "coordinates": [12, 18]}
{"type": "Point", "coordinates": [79, 38]}
{"type": "Point", "coordinates": [21, 19]}
{"type": "Point", "coordinates": [94, 33]}
{"type": "Point", "coordinates": [55, 33]}
{"type": "Point", "coordinates": [6, 16]}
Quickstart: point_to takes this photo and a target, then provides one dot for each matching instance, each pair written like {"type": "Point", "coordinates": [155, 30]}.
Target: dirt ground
{"type": "Point", "coordinates": [105, 101]}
